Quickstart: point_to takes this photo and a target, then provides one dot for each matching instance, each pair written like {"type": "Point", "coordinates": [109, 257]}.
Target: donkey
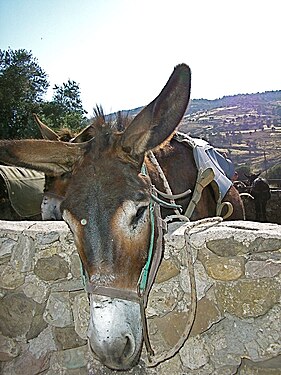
{"type": "Point", "coordinates": [55, 186]}
{"type": "Point", "coordinates": [260, 191]}
{"type": "Point", "coordinates": [108, 207]}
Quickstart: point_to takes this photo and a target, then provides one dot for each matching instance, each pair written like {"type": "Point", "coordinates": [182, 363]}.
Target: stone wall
{"type": "Point", "coordinates": [44, 309]}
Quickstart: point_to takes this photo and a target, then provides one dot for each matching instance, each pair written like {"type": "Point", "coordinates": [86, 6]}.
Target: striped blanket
{"type": "Point", "coordinates": [206, 156]}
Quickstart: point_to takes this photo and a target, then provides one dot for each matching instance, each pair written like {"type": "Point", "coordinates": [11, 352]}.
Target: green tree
{"type": "Point", "coordinates": [22, 86]}
{"type": "Point", "coordinates": [65, 109]}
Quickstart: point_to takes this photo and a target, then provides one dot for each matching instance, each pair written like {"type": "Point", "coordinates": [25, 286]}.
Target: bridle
{"type": "Point", "coordinates": [147, 275]}
{"type": "Point", "coordinates": [149, 271]}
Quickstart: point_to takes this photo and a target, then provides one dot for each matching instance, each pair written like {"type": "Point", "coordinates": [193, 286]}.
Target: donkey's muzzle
{"type": "Point", "coordinates": [115, 333]}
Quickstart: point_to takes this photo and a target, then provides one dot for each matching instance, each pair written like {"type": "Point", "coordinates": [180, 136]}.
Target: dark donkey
{"type": "Point", "coordinates": [56, 186]}
{"type": "Point", "coordinates": [260, 191]}
{"type": "Point", "coordinates": [107, 206]}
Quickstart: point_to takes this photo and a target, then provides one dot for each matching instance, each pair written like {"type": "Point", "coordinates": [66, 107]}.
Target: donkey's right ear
{"type": "Point", "coordinates": [46, 132]}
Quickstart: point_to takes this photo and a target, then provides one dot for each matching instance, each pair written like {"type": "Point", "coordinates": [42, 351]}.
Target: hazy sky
{"type": "Point", "coordinates": [122, 52]}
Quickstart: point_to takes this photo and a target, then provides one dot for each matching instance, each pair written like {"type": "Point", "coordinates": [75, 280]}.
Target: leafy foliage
{"type": "Point", "coordinates": [22, 85]}
{"type": "Point", "coordinates": [65, 109]}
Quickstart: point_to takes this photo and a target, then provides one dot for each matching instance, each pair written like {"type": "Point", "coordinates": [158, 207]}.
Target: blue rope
{"type": "Point", "coordinates": [144, 273]}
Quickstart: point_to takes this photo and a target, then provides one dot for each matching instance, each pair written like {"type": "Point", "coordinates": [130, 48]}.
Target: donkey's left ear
{"type": "Point", "coordinates": [157, 121]}
{"type": "Point", "coordinates": [46, 132]}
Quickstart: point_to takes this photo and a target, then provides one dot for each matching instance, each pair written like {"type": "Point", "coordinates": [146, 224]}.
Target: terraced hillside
{"type": "Point", "coordinates": [246, 127]}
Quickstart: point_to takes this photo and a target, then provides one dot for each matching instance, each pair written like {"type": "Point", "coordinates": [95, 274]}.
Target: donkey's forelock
{"type": "Point", "coordinates": [107, 137]}
{"type": "Point", "coordinates": [116, 122]}
{"type": "Point", "coordinates": [65, 135]}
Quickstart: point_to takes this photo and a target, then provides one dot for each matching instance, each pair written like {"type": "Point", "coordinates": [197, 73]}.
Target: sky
{"type": "Point", "coordinates": [122, 52]}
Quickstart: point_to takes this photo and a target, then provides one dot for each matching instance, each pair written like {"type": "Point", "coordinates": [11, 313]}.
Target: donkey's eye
{"type": "Point", "coordinates": [140, 212]}
{"type": "Point", "coordinates": [139, 215]}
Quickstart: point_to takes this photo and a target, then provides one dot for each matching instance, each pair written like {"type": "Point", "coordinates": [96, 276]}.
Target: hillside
{"type": "Point", "coordinates": [247, 127]}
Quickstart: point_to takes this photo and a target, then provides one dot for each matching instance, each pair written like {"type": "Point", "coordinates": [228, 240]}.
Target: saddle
{"type": "Point", "coordinates": [213, 168]}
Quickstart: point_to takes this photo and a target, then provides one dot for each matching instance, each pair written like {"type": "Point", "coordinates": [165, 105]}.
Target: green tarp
{"type": "Point", "coordinates": [25, 189]}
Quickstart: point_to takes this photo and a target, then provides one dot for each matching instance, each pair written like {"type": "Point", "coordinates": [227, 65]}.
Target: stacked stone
{"type": "Point", "coordinates": [237, 267]}
{"type": "Point", "coordinates": [44, 310]}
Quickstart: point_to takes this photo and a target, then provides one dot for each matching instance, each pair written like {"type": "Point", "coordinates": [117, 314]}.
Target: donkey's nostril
{"type": "Point", "coordinates": [129, 348]}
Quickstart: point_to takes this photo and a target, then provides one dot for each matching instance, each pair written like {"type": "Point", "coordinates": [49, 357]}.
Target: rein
{"type": "Point", "coordinates": [193, 293]}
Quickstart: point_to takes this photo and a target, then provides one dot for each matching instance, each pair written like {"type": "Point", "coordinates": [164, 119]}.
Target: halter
{"type": "Point", "coordinates": [155, 252]}
{"type": "Point", "coordinates": [147, 275]}
{"type": "Point", "coordinates": [149, 271]}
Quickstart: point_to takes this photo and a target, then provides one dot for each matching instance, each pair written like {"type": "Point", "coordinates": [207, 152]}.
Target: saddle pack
{"type": "Point", "coordinates": [25, 189]}
{"type": "Point", "coordinates": [213, 168]}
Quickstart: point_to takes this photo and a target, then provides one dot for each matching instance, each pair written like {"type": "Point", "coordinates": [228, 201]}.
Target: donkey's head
{"type": "Point", "coordinates": [107, 208]}
{"type": "Point", "coordinates": [56, 186]}
{"type": "Point", "coordinates": [252, 177]}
